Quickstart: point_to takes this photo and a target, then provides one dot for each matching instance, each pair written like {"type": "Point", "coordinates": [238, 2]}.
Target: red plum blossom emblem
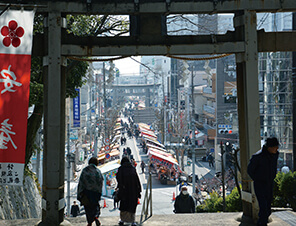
{"type": "Point", "coordinates": [12, 34]}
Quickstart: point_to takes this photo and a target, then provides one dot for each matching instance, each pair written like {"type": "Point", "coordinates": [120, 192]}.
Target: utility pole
{"type": "Point", "coordinates": [89, 116]}
{"type": "Point", "coordinates": [68, 161]}
{"type": "Point", "coordinates": [294, 95]}
{"type": "Point", "coordinates": [193, 130]}
{"type": "Point", "coordinates": [223, 183]}
{"type": "Point", "coordinates": [105, 101]}
{"type": "Point", "coordinates": [95, 153]}
{"type": "Point", "coordinates": [164, 111]}
{"type": "Point", "coordinates": [154, 78]}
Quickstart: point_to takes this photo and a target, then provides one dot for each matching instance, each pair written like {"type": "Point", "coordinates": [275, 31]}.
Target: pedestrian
{"type": "Point", "coordinates": [211, 160]}
{"type": "Point", "coordinates": [115, 198]}
{"type": "Point", "coordinates": [134, 163]}
{"type": "Point", "coordinates": [129, 151]}
{"type": "Point", "coordinates": [129, 191]}
{"type": "Point", "coordinates": [285, 168]}
{"type": "Point", "coordinates": [74, 209]}
{"type": "Point", "coordinates": [184, 202]}
{"type": "Point", "coordinates": [143, 165]}
{"type": "Point", "coordinates": [262, 169]}
{"type": "Point", "coordinates": [90, 191]}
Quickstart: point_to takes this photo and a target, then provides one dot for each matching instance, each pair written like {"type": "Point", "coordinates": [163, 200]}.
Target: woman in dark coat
{"type": "Point", "coordinates": [129, 191]}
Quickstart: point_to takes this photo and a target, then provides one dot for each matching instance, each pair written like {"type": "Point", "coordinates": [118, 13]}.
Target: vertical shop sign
{"type": "Point", "coordinates": [16, 34]}
{"type": "Point", "coordinates": [76, 110]}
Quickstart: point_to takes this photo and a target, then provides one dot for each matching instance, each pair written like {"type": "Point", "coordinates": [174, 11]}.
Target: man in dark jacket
{"type": "Point", "coordinates": [262, 169]}
{"type": "Point", "coordinates": [74, 209]}
{"type": "Point", "coordinates": [184, 202]}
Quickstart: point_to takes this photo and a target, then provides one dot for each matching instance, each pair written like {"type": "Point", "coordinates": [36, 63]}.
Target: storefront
{"type": "Point", "coordinates": [109, 171]}
{"type": "Point", "coordinates": [165, 166]}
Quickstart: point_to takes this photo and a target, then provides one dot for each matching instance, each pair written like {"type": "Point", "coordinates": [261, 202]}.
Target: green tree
{"type": "Point", "coordinates": [287, 188]}
{"type": "Point", "coordinates": [279, 200]}
{"type": "Point", "coordinates": [212, 204]}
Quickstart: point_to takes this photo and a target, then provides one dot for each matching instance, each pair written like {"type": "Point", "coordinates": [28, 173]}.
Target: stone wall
{"type": "Point", "coordinates": [18, 202]}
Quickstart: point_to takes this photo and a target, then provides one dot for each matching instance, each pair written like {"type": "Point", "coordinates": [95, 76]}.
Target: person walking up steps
{"type": "Point", "coordinates": [184, 202]}
{"type": "Point", "coordinates": [74, 209]}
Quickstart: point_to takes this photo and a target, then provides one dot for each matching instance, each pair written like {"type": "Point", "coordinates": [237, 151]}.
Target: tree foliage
{"type": "Point", "coordinates": [97, 25]}
{"type": "Point", "coordinates": [233, 201]}
{"type": "Point", "coordinates": [215, 203]}
{"type": "Point", "coordinates": [279, 200]}
{"type": "Point", "coordinates": [287, 188]}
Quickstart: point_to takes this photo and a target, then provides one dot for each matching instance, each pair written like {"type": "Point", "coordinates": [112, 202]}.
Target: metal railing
{"type": "Point", "coordinates": [147, 201]}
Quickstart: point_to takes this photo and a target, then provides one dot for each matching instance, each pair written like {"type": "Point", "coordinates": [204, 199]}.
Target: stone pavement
{"type": "Point", "coordinates": [280, 218]}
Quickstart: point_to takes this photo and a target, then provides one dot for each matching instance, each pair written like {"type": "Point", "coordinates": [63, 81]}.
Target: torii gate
{"type": "Point", "coordinates": [146, 93]}
{"type": "Point", "coordinates": [149, 37]}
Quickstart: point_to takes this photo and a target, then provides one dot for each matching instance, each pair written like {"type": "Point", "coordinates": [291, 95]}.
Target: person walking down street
{"type": "Point", "coordinates": [184, 202]}
{"type": "Point", "coordinates": [143, 165]}
{"type": "Point", "coordinates": [211, 160]}
{"type": "Point", "coordinates": [129, 191]}
{"type": "Point", "coordinates": [75, 209]}
{"type": "Point", "coordinates": [262, 169]}
{"type": "Point", "coordinates": [90, 191]}
{"type": "Point", "coordinates": [129, 151]}
{"type": "Point", "coordinates": [134, 163]}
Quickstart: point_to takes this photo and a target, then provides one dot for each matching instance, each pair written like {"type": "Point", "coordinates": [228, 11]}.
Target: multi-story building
{"type": "Point", "coordinates": [157, 70]}
{"type": "Point", "coordinates": [275, 88]}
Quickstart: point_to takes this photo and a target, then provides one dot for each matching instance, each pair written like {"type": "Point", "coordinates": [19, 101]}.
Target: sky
{"type": "Point", "coordinates": [128, 66]}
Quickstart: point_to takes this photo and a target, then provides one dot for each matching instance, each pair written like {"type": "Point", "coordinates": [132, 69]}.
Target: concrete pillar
{"type": "Point", "coordinates": [53, 202]}
{"type": "Point", "coordinates": [248, 103]}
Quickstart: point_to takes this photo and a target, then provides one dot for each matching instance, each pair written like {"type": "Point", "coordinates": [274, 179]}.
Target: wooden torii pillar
{"type": "Point", "coordinates": [248, 103]}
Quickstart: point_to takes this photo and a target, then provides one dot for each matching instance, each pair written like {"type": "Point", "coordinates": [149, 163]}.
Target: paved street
{"type": "Point", "coordinates": [162, 195]}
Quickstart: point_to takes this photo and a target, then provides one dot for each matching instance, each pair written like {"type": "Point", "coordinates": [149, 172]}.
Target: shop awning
{"type": "Point", "coordinates": [116, 137]}
{"type": "Point", "coordinates": [156, 147]}
{"type": "Point", "coordinates": [150, 134]}
{"type": "Point", "coordinates": [109, 167]}
{"type": "Point", "coordinates": [144, 126]}
{"type": "Point", "coordinates": [118, 127]}
{"type": "Point", "coordinates": [150, 139]}
{"type": "Point", "coordinates": [112, 147]}
{"type": "Point", "coordinates": [101, 156]}
{"type": "Point", "coordinates": [114, 153]}
{"type": "Point", "coordinates": [157, 155]}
